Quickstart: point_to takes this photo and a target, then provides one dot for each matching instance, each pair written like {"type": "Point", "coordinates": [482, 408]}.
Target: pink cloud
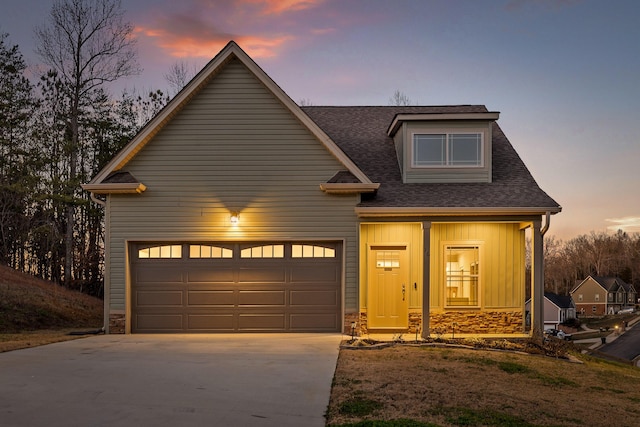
{"type": "Point", "coordinates": [277, 7]}
{"type": "Point", "coordinates": [203, 45]}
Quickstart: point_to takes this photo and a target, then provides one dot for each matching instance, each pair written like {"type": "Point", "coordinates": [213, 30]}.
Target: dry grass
{"type": "Point", "coordinates": [36, 312]}
{"type": "Point", "coordinates": [456, 386]}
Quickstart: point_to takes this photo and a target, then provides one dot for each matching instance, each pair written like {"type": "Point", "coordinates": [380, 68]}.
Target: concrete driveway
{"type": "Point", "coordinates": [171, 380]}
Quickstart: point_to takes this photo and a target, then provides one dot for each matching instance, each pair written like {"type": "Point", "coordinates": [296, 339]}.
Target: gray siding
{"type": "Point", "coordinates": [446, 174]}
{"type": "Point", "coordinates": [234, 147]}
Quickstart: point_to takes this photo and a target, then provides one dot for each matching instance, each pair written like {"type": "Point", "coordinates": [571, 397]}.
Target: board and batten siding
{"type": "Point", "coordinates": [502, 266]}
{"type": "Point", "coordinates": [382, 234]}
{"type": "Point", "coordinates": [233, 148]}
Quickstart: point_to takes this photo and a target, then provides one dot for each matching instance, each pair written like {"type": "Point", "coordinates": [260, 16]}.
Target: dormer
{"type": "Point", "coordinates": [444, 147]}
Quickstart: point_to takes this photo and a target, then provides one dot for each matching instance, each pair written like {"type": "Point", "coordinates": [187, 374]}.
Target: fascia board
{"type": "Point", "coordinates": [399, 118]}
{"type": "Point", "coordinates": [344, 188]}
{"type": "Point", "coordinates": [447, 211]}
{"type": "Point", "coordinates": [128, 188]}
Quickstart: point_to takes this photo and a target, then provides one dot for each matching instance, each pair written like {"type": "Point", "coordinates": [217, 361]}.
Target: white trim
{"type": "Point", "coordinates": [447, 133]}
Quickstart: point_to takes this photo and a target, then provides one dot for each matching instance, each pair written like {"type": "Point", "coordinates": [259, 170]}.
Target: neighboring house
{"type": "Point", "coordinates": [235, 209]}
{"type": "Point", "coordinates": [597, 295]}
{"type": "Point", "coordinates": [557, 309]}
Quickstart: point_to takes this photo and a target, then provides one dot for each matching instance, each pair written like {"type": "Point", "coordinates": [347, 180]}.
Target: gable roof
{"type": "Point", "coordinates": [608, 283]}
{"type": "Point", "coordinates": [229, 52]}
{"type": "Point", "coordinates": [362, 133]}
{"type": "Point", "coordinates": [560, 301]}
{"type": "Point", "coordinates": [359, 138]}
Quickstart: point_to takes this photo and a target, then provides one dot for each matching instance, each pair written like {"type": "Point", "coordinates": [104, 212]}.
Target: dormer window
{"type": "Point", "coordinates": [444, 148]}
{"type": "Point", "coordinates": [447, 150]}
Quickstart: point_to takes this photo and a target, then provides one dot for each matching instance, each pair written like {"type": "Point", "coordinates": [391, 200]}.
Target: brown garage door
{"type": "Point", "coordinates": [248, 287]}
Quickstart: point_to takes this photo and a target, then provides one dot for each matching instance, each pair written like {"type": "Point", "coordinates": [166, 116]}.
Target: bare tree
{"type": "Point", "coordinates": [180, 73]}
{"type": "Point", "coordinates": [88, 44]}
{"type": "Point", "coordinates": [399, 99]}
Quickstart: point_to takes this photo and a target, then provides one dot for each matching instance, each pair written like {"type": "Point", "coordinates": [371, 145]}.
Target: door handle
{"type": "Point", "coordinates": [403, 291]}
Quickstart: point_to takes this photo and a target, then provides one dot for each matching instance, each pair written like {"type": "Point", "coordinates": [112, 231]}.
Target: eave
{"type": "Point", "coordinates": [349, 188]}
{"type": "Point", "coordinates": [119, 188]}
{"type": "Point", "coordinates": [381, 212]}
{"type": "Point", "coordinates": [399, 118]}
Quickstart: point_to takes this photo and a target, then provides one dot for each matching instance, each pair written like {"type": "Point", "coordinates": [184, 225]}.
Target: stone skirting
{"type": "Point", "coordinates": [477, 322]}
{"type": "Point", "coordinates": [116, 323]}
{"type": "Point", "coordinates": [450, 322]}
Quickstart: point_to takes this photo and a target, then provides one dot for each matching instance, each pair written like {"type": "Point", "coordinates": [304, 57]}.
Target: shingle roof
{"type": "Point", "coordinates": [562, 301]}
{"type": "Point", "coordinates": [361, 132]}
{"type": "Point", "coordinates": [611, 284]}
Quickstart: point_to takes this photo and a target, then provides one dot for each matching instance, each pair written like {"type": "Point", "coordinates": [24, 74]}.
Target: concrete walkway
{"type": "Point", "coordinates": [171, 380]}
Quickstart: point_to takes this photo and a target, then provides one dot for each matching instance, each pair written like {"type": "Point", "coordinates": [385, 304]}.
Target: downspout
{"type": "Point", "coordinates": [544, 229]}
{"type": "Point", "coordinates": [538, 295]}
{"type": "Point", "coordinates": [103, 203]}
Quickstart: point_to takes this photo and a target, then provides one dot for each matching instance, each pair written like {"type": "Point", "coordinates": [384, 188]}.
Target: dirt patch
{"type": "Point", "coordinates": [464, 386]}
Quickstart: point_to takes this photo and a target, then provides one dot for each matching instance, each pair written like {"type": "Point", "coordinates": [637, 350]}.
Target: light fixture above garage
{"type": "Point", "coordinates": [235, 218]}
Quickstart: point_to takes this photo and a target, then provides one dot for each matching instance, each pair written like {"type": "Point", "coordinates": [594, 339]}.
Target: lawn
{"type": "Point", "coordinates": [408, 385]}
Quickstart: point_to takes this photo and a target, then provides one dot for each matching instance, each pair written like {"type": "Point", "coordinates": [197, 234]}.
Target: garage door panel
{"type": "Point", "coordinates": [159, 322]}
{"type": "Point", "coordinates": [159, 274]}
{"type": "Point", "coordinates": [314, 321]}
{"type": "Point", "coordinates": [212, 275]}
{"type": "Point", "coordinates": [159, 298]}
{"type": "Point", "coordinates": [262, 322]}
{"type": "Point", "coordinates": [212, 298]}
{"type": "Point", "coordinates": [328, 297]}
{"type": "Point", "coordinates": [211, 322]}
{"type": "Point", "coordinates": [276, 274]}
{"type": "Point", "coordinates": [315, 273]}
{"type": "Point", "coordinates": [261, 298]}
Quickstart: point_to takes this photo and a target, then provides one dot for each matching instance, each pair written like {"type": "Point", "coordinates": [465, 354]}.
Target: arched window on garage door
{"type": "Point", "coordinates": [164, 251]}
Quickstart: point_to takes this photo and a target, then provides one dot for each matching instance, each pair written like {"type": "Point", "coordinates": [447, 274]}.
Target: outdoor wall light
{"type": "Point", "coordinates": [235, 218]}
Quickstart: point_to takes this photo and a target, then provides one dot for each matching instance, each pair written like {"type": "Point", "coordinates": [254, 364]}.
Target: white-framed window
{"type": "Point", "coordinates": [597, 297]}
{"type": "Point", "coordinates": [208, 251]}
{"type": "Point", "coordinates": [462, 275]}
{"type": "Point", "coordinates": [580, 297]}
{"type": "Point", "coordinates": [265, 251]}
{"type": "Point", "coordinates": [164, 251]}
{"type": "Point", "coordinates": [448, 150]}
{"type": "Point", "coordinates": [312, 251]}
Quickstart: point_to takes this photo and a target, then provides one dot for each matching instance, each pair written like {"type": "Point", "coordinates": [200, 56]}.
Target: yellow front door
{"type": "Point", "coordinates": [388, 300]}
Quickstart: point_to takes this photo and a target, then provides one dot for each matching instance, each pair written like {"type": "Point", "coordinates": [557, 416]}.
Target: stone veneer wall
{"type": "Point", "coordinates": [477, 322]}
{"type": "Point", "coordinates": [466, 322]}
{"type": "Point", "coordinates": [116, 323]}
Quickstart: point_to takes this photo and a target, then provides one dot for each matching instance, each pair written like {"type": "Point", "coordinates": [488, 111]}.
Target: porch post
{"type": "Point", "coordinates": [537, 280]}
{"type": "Point", "coordinates": [426, 270]}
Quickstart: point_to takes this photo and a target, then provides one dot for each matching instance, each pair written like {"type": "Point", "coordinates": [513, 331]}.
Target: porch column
{"type": "Point", "coordinates": [426, 270]}
{"type": "Point", "coordinates": [537, 279]}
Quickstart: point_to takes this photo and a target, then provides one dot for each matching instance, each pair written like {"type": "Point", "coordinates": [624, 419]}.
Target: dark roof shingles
{"type": "Point", "coordinates": [361, 132]}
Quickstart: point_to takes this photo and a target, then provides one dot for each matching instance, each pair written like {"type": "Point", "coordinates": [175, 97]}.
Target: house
{"type": "Point", "coordinates": [598, 295]}
{"type": "Point", "coordinates": [236, 210]}
{"type": "Point", "coordinates": [557, 309]}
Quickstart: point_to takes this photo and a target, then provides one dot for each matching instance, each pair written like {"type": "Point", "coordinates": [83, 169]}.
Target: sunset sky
{"type": "Point", "coordinates": [564, 74]}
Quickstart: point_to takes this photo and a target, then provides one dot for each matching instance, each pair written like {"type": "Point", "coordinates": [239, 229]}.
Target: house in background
{"type": "Point", "coordinates": [236, 210]}
{"type": "Point", "coordinates": [597, 295]}
{"type": "Point", "coordinates": [557, 309]}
